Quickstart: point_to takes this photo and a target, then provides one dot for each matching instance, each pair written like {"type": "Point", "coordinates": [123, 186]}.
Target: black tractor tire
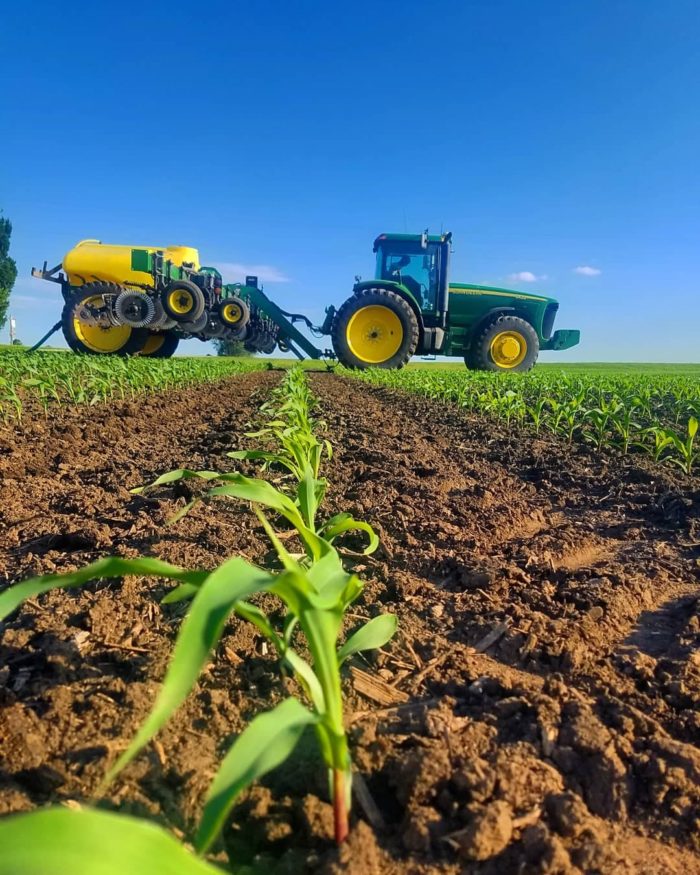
{"type": "Point", "coordinates": [470, 361]}
{"type": "Point", "coordinates": [484, 356]}
{"type": "Point", "coordinates": [183, 301]}
{"type": "Point", "coordinates": [131, 341]}
{"type": "Point", "coordinates": [197, 326]}
{"type": "Point", "coordinates": [234, 312]}
{"type": "Point", "coordinates": [396, 335]}
{"type": "Point", "coordinates": [160, 345]}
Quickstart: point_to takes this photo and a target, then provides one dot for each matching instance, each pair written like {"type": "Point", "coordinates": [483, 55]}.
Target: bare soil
{"type": "Point", "coordinates": [538, 712]}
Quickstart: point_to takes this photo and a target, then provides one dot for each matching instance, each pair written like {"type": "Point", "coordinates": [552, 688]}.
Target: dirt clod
{"type": "Point", "coordinates": [489, 831]}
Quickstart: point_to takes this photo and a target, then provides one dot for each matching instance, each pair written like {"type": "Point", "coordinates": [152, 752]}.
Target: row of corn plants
{"type": "Point", "coordinates": [315, 591]}
{"type": "Point", "coordinates": [653, 415]}
{"type": "Point", "coordinates": [54, 378]}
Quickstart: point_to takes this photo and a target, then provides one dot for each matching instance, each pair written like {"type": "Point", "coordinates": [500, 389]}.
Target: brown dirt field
{"type": "Point", "coordinates": [538, 712]}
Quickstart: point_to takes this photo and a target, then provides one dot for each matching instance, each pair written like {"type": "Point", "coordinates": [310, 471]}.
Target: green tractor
{"type": "Point", "coordinates": [412, 308]}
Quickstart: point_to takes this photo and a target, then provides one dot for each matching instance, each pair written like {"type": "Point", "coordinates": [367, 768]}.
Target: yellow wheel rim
{"type": "Point", "coordinates": [153, 344]}
{"type": "Point", "coordinates": [181, 301]}
{"type": "Point", "coordinates": [97, 339]}
{"type": "Point", "coordinates": [374, 334]}
{"type": "Point", "coordinates": [231, 314]}
{"type": "Point", "coordinates": [508, 349]}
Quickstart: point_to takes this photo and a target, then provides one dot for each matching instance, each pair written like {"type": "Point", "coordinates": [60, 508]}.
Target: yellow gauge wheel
{"type": "Point", "coordinates": [231, 314]}
{"type": "Point", "coordinates": [97, 339]}
{"type": "Point", "coordinates": [153, 344]}
{"type": "Point", "coordinates": [374, 334]}
{"type": "Point", "coordinates": [508, 349]}
{"type": "Point", "coordinates": [181, 301]}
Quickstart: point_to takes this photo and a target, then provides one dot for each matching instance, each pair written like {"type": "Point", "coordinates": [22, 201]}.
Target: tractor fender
{"type": "Point", "coordinates": [487, 318]}
{"type": "Point", "coordinates": [398, 289]}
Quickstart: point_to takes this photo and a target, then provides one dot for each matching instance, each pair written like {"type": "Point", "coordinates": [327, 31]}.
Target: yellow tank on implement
{"type": "Point", "coordinates": [92, 261]}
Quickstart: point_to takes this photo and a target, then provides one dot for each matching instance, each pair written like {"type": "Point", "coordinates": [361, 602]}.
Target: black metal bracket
{"type": "Point", "coordinates": [50, 275]}
{"type": "Point", "coordinates": [45, 337]}
{"type": "Point", "coordinates": [53, 276]}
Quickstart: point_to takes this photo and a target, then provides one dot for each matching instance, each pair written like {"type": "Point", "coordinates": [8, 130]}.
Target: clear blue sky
{"type": "Point", "coordinates": [546, 135]}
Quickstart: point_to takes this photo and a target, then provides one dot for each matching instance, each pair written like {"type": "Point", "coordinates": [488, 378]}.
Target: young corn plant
{"type": "Point", "coordinates": [292, 428]}
{"type": "Point", "coordinates": [316, 592]}
{"type": "Point", "coordinates": [300, 453]}
{"type": "Point", "coordinates": [684, 445]}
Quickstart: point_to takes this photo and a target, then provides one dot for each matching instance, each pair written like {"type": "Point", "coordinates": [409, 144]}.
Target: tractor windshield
{"type": "Point", "coordinates": [417, 270]}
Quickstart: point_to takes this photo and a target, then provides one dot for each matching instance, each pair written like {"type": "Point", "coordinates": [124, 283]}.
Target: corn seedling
{"type": "Point", "coordinates": [54, 377]}
{"type": "Point", "coordinates": [620, 412]}
{"type": "Point", "coordinates": [316, 592]}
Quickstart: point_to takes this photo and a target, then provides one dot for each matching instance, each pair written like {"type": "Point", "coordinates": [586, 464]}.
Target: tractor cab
{"type": "Point", "coordinates": [419, 263]}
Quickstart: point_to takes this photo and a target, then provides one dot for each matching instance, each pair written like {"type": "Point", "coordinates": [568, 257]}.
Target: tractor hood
{"type": "Point", "coordinates": [496, 292]}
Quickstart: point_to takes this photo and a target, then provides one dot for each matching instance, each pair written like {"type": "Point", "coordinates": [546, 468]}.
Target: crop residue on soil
{"type": "Point", "coordinates": [539, 712]}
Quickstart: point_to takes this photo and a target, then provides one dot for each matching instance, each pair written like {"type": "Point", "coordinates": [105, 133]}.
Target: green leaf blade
{"type": "Point", "coordinates": [263, 745]}
{"type": "Point", "coordinates": [373, 634]}
{"type": "Point", "coordinates": [111, 567]}
{"type": "Point", "coordinates": [92, 842]}
{"type": "Point", "coordinates": [201, 629]}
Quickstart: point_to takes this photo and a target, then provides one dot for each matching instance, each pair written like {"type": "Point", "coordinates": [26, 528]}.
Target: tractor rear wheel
{"type": "Point", "coordinates": [183, 301]}
{"type": "Point", "coordinates": [87, 327]}
{"type": "Point", "coordinates": [375, 329]}
{"type": "Point", "coordinates": [508, 344]}
{"type": "Point", "coordinates": [160, 345]}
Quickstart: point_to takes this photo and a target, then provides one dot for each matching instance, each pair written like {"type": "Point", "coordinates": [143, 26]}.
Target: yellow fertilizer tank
{"type": "Point", "coordinates": [92, 261]}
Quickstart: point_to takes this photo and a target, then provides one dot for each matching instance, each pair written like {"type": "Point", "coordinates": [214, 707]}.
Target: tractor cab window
{"type": "Point", "coordinates": [417, 271]}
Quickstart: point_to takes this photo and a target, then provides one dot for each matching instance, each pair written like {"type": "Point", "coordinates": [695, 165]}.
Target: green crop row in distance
{"type": "Point", "coordinates": [655, 415]}
{"type": "Point", "coordinates": [50, 378]}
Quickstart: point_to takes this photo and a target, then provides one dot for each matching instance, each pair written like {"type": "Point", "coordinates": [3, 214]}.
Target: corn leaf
{"type": "Point", "coordinates": [182, 593]}
{"type": "Point", "coordinates": [173, 476]}
{"type": "Point", "coordinates": [262, 492]}
{"type": "Point", "coordinates": [200, 632]}
{"type": "Point", "coordinates": [307, 494]}
{"type": "Point", "coordinates": [110, 567]}
{"type": "Point", "coordinates": [259, 618]}
{"type": "Point", "coordinates": [263, 745]}
{"type": "Point", "coordinates": [265, 456]}
{"type": "Point", "coordinates": [328, 578]}
{"type": "Point", "coordinates": [373, 634]}
{"type": "Point", "coordinates": [345, 522]}
{"type": "Point", "coordinates": [307, 678]}
{"type": "Point", "coordinates": [92, 842]}
{"type": "Point", "coordinates": [259, 491]}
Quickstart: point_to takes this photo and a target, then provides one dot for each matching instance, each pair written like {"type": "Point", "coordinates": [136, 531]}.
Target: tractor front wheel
{"type": "Point", "coordinates": [508, 344]}
{"type": "Point", "coordinates": [375, 329]}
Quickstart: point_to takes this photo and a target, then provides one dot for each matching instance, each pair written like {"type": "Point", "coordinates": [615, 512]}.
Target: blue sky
{"type": "Point", "coordinates": [547, 136]}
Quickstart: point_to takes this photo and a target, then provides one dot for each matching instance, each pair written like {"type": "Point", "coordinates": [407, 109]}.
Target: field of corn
{"type": "Point", "coordinates": [261, 619]}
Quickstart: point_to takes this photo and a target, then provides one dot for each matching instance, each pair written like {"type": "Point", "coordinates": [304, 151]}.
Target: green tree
{"type": "Point", "coordinates": [231, 347]}
{"type": "Point", "coordinates": [8, 268]}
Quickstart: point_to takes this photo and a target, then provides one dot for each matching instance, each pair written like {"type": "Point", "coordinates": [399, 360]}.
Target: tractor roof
{"type": "Point", "coordinates": [409, 238]}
